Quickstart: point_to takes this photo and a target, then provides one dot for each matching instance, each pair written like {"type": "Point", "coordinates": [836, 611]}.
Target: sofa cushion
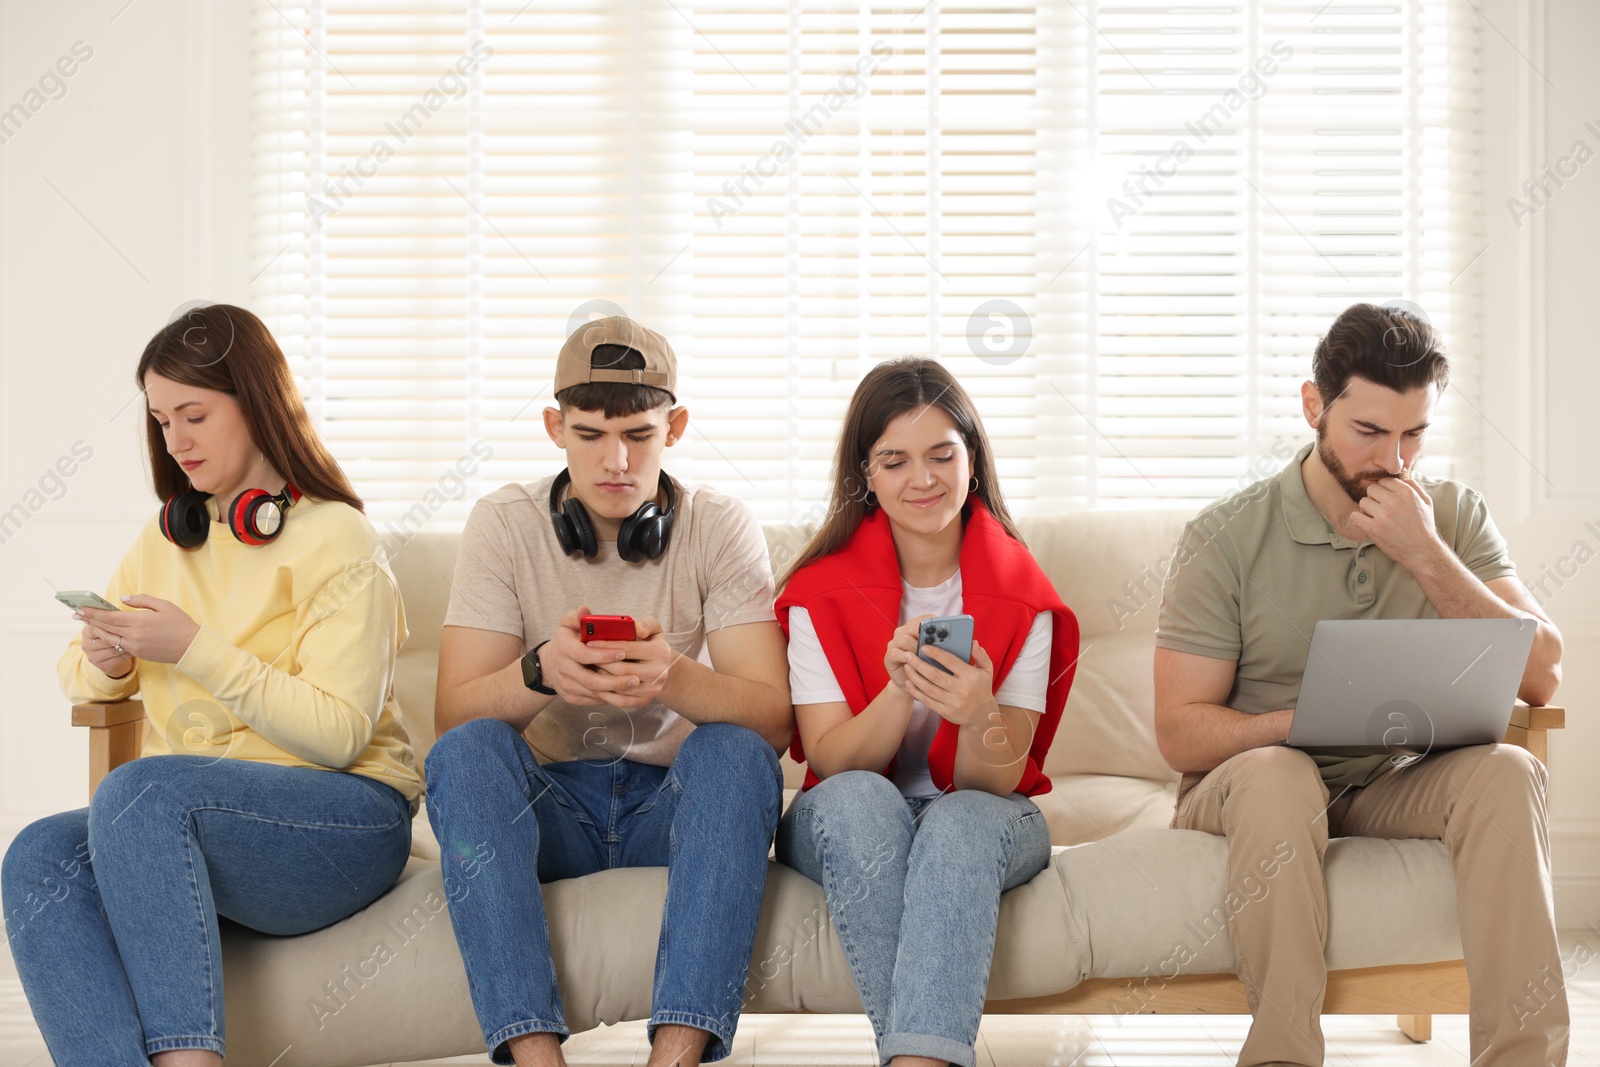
{"type": "Point", "coordinates": [1087, 807]}
{"type": "Point", "coordinates": [423, 564]}
{"type": "Point", "coordinates": [1107, 567]}
{"type": "Point", "coordinates": [387, 984]}
{"type": "Point", "coordinates": [1151, 896]}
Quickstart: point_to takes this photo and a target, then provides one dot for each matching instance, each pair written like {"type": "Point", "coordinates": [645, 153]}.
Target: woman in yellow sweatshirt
{"type": "Point", "coordinates": [260, 625]}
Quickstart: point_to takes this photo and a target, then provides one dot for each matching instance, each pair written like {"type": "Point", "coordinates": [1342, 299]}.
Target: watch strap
{"type": "Point", "coordinates": [533, 671]}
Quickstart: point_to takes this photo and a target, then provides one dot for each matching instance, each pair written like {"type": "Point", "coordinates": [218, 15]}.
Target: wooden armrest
{"type": "Point", "coordinates": [116, 735]}
{"type": "Point", "coordinates": [102, 715]}
{"type": "Point", "coordinates": [1529, 726]}
{"type": "Point", "coordinates": [1540, 717]}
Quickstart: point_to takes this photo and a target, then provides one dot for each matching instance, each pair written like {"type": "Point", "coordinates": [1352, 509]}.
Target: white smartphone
{"type": "Point", "coordinates": [953, 634]}
{"type": "Point", "coordinates": [83, 598]}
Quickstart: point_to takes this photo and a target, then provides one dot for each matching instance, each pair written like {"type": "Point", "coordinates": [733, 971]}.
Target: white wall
{"type": "Point", "coordinates": [118, 201]}
{"type": "Point", "coordinates": [1541, 87]}
{"type": "Point", "coordinates": [148, 156]}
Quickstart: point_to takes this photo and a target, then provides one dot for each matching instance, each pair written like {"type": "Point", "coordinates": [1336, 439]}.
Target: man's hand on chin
{"type": "Point", "coordinates": [1397, 516]}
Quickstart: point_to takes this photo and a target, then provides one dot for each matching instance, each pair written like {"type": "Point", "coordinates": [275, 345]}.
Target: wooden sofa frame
{"type": "Point", "coordinates": [1413, 992]}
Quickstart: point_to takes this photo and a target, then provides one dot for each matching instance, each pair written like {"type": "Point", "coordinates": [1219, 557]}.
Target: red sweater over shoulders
{"type": "Point", "coordinates": [853, 597]}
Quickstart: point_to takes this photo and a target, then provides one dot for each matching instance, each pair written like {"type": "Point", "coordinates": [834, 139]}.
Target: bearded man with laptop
{"type": "Point", "coordinates": [1348, 532]}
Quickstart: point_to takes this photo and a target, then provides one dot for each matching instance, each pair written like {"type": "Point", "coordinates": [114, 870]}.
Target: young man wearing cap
{"type": "Point", "coordinates": [1347, 532]}
{"type": "Point", "coordinates": [558, 758]}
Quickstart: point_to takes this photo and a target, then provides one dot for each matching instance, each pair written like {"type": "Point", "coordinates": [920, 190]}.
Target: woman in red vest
{"type": "Point", "coordinates": [915, 815]}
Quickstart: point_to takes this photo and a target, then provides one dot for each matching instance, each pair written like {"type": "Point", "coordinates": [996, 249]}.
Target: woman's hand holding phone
{"type": "Point", "coordinates": [99, 646]}
{"type": "Point", "coordinates": [160, 632]}
{"type": "Point", "coordinates": [100, 649]}
{"type": "Point", "coordinates": [902, 650]}
{"type": "Point", "coordinates": [960, 692]}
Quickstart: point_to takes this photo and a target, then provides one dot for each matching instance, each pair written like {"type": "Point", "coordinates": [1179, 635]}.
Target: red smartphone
{"type": "Point", "coordinates": [607, 628]}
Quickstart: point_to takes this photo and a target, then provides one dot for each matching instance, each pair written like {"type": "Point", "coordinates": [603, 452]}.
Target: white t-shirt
{"type": "Point", "coordinates": [812, 681]}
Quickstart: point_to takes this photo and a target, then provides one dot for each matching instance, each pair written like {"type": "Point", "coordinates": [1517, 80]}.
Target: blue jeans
{"type": "Point", "coordinates": [500, 814]}
{"type": "Point", "coordinates": [914, 889]}
{"type": "Point", "coordinates": [112, 910]}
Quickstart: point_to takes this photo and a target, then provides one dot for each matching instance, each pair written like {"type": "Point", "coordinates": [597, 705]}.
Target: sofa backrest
{"type": "Point", "coordinates": [1106, 565]}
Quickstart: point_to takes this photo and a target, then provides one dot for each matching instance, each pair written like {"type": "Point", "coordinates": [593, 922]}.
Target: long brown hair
{"type": "Point", "coordinates": [889, 390]}
{"type": "Point", "coordinates": [229, 350]}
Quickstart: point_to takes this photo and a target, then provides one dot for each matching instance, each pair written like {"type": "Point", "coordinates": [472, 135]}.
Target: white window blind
{"type": "Point", "coordinates": [1175, 199]}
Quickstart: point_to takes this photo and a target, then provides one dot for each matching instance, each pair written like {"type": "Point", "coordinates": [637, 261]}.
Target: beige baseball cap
{"type": "Point", "coordinates": [578, 365]}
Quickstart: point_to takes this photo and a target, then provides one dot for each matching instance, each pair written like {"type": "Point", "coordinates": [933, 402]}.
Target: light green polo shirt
{"type": "Point", "coordinates": [1255, 572]}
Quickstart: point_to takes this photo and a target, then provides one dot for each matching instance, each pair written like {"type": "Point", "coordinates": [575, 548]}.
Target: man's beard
{"type": "Point", "coordinates": [1351, 485]}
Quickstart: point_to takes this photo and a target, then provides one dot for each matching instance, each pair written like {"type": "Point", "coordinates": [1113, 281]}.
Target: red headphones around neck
{"type": "Point", "coordinates": [255, 517]}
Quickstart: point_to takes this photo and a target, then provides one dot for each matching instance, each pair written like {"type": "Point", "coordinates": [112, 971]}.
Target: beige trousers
{"type": "Point", "coordinates": [1486, 803]}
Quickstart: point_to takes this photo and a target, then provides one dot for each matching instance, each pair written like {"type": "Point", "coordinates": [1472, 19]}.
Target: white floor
{"type": "Point", "coordinates": [1004, 1041]}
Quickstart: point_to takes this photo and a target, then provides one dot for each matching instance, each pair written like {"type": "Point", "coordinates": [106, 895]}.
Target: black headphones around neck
{"type": "Point", "coordinates": [255, 517]}
{"type": "Point", "coordinates": [644, 534]}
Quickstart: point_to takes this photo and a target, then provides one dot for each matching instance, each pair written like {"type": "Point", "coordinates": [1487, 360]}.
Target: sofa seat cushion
{"type": "Point", "coordinates": [1081, 808]}
{"type": "Point", "coordinates": [1152, 896]}
{"type": "Point", "coordinates": [387, 984]}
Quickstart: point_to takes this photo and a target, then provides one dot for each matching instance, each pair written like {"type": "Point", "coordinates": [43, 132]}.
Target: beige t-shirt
{"type": "Point", "coordinates": [1255, 572]}
{"type": "Point", "coordinates": [513, 578]}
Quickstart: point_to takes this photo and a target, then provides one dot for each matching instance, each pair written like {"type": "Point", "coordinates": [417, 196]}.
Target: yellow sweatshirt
{"type": "Point", "coordinates": [294, 661]}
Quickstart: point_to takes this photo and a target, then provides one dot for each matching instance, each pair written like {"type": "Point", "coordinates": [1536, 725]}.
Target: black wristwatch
{"type": "Point", "coordinates": [533, 673]}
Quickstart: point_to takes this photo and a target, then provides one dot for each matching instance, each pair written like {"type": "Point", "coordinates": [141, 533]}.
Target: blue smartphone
{"type": "Point", "coordinates": [953, 633]}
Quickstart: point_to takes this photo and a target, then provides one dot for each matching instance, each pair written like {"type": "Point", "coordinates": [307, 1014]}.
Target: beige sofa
{"type": "Point", "coordinates": [1129, 917]}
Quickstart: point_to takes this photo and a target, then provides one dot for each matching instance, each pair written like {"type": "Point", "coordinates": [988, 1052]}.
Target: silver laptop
{"type": "Point", "coordinates": [1409, 685]}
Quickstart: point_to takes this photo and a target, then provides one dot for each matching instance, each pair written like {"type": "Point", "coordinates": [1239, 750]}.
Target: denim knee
{"type": "Point", "coordinates": [724, 752]}
{"type": "Point", "coordinates": [44, 858]}
{"type": "Point", "coordinates": [968, 814]}
{"type": "Point", "coordinates": [136, 782]}
{"type": "Point", "coordinates": [44, 841]}
{"type": "Point", "coordinates": [861, 816]}
{"type": "Point", "coordinates": [854, 791]}
{"type": "Point", "coordinates": [973, 825]}
{"type": "Point", "coordinates": [470, 743]}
